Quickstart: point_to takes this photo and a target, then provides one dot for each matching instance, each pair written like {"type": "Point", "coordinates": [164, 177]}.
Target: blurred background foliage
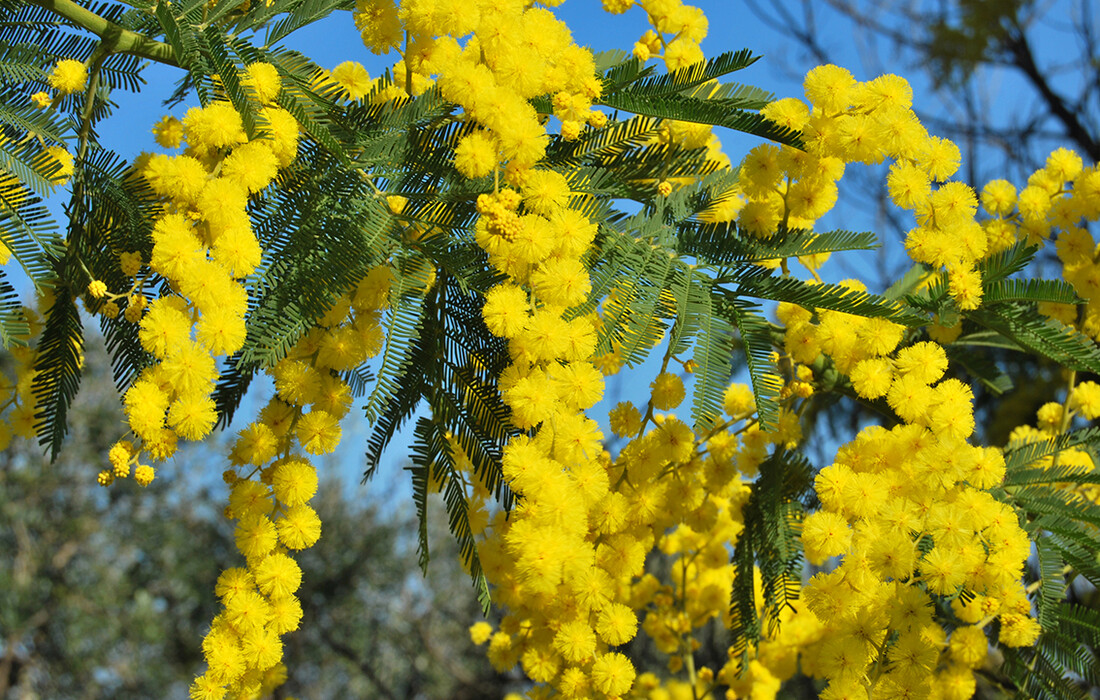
{"type": "Point", "coordinates": [107, 593]}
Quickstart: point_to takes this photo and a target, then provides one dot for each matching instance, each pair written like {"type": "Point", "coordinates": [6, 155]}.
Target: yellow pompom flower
{"type": "Point", "coordinates": [1063, 165]}
{"type": "Point", "coordinates": [667, 391]}
{"type": "Point", "coordinates": [1085, 399]}
{"type": "Point", "coordinates": [264, 80]}
{"type": "Point", "coordinates": [738, 400]}
{"type": "Point", "coordinates": [255, 535]}
{"type": "Point", "coordinates": [189, 369]}
{"type": "Point", "coordinates": [68, 76]}
{"type": "Point", "coordinates": [248, 497]}
{"type": "Point", "coordinates": [233, 582]}
{"type": "Point", "coordinates": [625, 419]}
{"type": "Point", "coordinates": [144, 474]}
{"type": "Point", "coordinates": [179, 178]}
{"type": "Point", "coordinates": [575, 641]}
{"type": "Point", "coordinates": [613, 674]}
{"type": "Point", "coordinates": [318, 432]}
{"type": "Point", "coordinates": [353, 78]}
{"type": "Point", "coordinates": [871, 378]}
{"type": "Point", "coordinates": [480, 632]}
{"type": "Point", "coordinates": [561, 282]}
{"type": "Point", "coordinates": [214, 127]}
{"type": "Point", "coordinates": [130, 263]}
{"type": "Point", "coordinates": [908, 185]}
{"type": "Point", "coordinates": [939, 158]}
{"type": "Point", "coordinates": [192, 416]}
{"type": "Point", "coordinates": [252, 165]}
{"type": "Point", "coordinates": [168, 132]}
{"type": "Point", "coordinates": [261, 648]}
{"type": "Point", "coordinates": [277, 576]}
{"type": "Point", "coordinates": [999, 197]}
{"type": "Point", "coordinates": [221, 330]}
{"type": "Point", "coordinates": [825, 534]}
{"type": "Point", "coordinates": [294, 482]}
{"type": "Point", "coordinates": [829, 88]}
{"type": "Point", "coordinates": [206, 687]}
{"type": "Point", "coordinates": [299, 527]}
{"type": "Point", "coordinates": [617, 624]}
{"type": "Point", "coordinates": [296, 382]}
{"type": "Point", "coordinates": [286, 614]}
{"type": "Point", "coordinates": [925, 362]}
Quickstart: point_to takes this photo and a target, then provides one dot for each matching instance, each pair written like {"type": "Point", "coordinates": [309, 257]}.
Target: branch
{"type": "Point", "coordinates": [1018, 47]}
{"type": "Point", "coordinates": [117, 39]}
{"type": "Point", "coordinates": [354, 658]}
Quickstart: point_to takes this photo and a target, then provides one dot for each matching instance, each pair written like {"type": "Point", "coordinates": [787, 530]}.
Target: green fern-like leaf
{"type": "Point", "coordinates": [1019, 457]}
{"type": "Point", "coordinates": [1045, 337]}
{"type": "Point", "coordinates": [1029, 291]}
{"type": "Point", "coordinates": [755, 335]}
{"type": "Point", "coordinates": [58, 365]}
{"type": "Point", "coordinates": [721, 112]}
{"type": "Point", "coordinates": [14, 329]}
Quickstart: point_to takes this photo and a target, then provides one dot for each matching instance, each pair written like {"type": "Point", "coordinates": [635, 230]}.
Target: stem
{"type": "Point", "coordinates": [116, 39]}
{"type": "Point", "coordinates": [408, 69]}
{"type": "Point", "coordinates": [98, 57]}
{"type": "Point", "coordinates": [1067, 415]}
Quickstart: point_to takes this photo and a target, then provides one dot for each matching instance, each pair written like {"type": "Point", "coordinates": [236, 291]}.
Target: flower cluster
{"type": "Point", "coordinates": [271, 484]}
{"type": "Point", "coordinates": [909, 513]}
{"type": "Point", "coordinates": [848, 121]}
{"type": "Point", "coordinates": [203, 245]}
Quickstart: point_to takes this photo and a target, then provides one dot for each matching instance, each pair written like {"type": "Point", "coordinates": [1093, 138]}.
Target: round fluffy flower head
{"type": "Point", "coordinates": [476, 155]}
{"type": "Point", "coordinates": [299, 527]}
{"type": "Point", "coordinates": [999, 197]}
{"type": "Point", "coordinates": [193, 416]}
{"type": "Point", "coordinates": [168, 132]}
{"type": "Point", "coordinates": [1086, 399]}
{"type": "Point", "coordinates": [319, 432]}
{"type": "Point", "coordinates": [613, 674]}
{"type": "Point", "coordinates": [68, 76]}
{"type": "Point", "coordinates": [1063, 164]}
{"type": "Point", "coordinates": [213, 127]}
{"type": "Point", "coordinates": [925, 362]}
{"type": "Point", "coordinates": [871, 378]}
{"type": "Point", "coordinates": [738, 400]}
{"type": "Point", "coordinates": [939, 158]}
{"type": "Point", "coordinates": [825, 534]}
{"type": "Point", "coordinates": [252, 165]}
{"type": "Point", "coordinates": [480, 632]}
{"type": "Point", "coordinates": [379, 25]}
{"type": "Point", "coordinates": [789, 112]}
{"type": "Point", "coordinates": [353, 78]}
{"type": "Point", "coordinates": [97, 288]}
{"type": "Point", "coordinates": [278, 575]}
{"type": "Point", "coordinates": [144, 474]}
{"type": "Point", "coordinates": [668, 391]}
{"type": "Point", "coordinates": [294, 482]}
{"type": "Point", "coordinates": [829, 88]}
{"type": "Point", "coordinates": [130, 263]}
{"type": "Point", "coordinates": [625, 419]}
{"type": "Point", "coordinates": [505, 310]}
{"type": "Point", "coordinates": [264, 80]}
